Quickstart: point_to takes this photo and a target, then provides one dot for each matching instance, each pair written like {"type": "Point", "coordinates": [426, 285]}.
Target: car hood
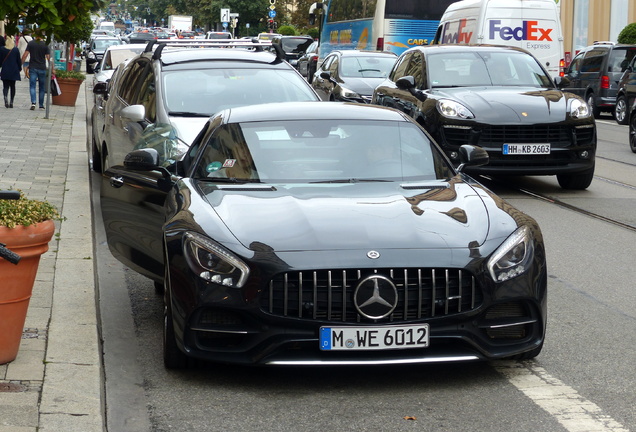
{"type": "Point", "coordinates": [440, 215]}
{"type": "Point", "coordinates": [362, 86]}
{"type": "Point", "coordinates": [500, 105]}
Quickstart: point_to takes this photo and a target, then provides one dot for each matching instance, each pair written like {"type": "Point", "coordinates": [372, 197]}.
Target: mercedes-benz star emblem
{"type": "Point", "coordinates": [373, 254]}
{"type": "Point", "coordinates": [375, 297]}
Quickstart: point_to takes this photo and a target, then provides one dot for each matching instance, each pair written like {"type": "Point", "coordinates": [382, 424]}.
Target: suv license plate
{"type": "Point", "coordinates": [526, 149]}
{"type": "Point", "coordinates": [374, 338]}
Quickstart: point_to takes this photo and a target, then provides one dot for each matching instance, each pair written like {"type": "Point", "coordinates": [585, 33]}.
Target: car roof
{"type": "Point", "coordinates": [356, 53]}
{"type": "Point", "coordinates": [428, 49]}
{"type": "Point", "coordinates": [311, 110]}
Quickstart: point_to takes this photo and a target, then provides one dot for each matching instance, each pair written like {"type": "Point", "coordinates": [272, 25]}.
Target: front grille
{"type": "Point", "coordinates": [496, 136]}
{"type": "Point", "coordinates": [327, 295]}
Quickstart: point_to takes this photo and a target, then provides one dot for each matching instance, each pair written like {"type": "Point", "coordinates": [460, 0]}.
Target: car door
{"type": "Point", "coordinates": [573, 74]}
{"type": "Point", "coordinates": [628, 81]}
{"type": "Point", "coordinates": [388, 94]}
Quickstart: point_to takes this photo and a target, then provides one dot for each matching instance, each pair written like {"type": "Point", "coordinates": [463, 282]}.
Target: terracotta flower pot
{"type": "Point", "coordinates": [70, 90]}
{"type": "Point", "coordinates": [17, 281]}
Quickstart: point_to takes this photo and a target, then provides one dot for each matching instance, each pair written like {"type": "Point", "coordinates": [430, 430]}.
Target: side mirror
{"type": "Point", "coordinates": [407, 83]}
{"type": "Point", "coordinates": [135, 113]}
{"type": "Point", "coordinates": [142, 160]}
{"type": "Point", "coordinates": [470, 155]}
{"type": "Point", "coordinates": [101, 88]}
{"type": "Point", "coordinates": [562, 82]}
{"type": "Point", "coordinates": [312, 19]}
{"type": "Point", "coordinates": [325, 75]}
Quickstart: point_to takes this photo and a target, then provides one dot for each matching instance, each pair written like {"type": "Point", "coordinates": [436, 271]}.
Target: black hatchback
{"type": "Point", "coordinates": [501, 99]}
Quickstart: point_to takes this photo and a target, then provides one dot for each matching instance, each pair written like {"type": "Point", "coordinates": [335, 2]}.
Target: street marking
{"type": "Point", "coordinates": [571, 410]}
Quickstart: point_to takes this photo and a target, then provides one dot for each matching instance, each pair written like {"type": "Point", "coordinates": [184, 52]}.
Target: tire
{"type": "Point", "coordinates": [621, 114]}
{"type": "Point", "coordinates": [578, 181]}
{"type": "Point", "coordinates": [632, 132]}
{"type": "Point", "coordinates": [590, 102]}
{"type": "Point", "coordinates": [173, 357]}
{"type": "Point", "coordinates": [97, 157]}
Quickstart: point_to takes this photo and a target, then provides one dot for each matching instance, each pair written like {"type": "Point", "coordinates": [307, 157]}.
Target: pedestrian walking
{"type": "Point", "coordinates": [25, 38]}
{"type": "Point", "coordinates": [10, 73]}
{"type": "Point", "coordinates": [39, 55]}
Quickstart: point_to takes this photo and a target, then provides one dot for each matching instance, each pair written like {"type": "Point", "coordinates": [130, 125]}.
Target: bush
{"type": "Point", "coordinates": [287, 30]}
{"type": "Point", "coordinates": [628, 34]}
{"type": "Point", "coordinates": [25, 212]}
{"type": "Point", "coordinates": [71, 74]}
{"type": "Point", "coordinates": [313, 32]}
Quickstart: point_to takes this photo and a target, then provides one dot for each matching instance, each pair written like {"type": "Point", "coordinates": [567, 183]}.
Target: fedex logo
{"type": "Point", "coordinates": [462, 35]}
{"type": "Point", "coordinates": [529, 30]}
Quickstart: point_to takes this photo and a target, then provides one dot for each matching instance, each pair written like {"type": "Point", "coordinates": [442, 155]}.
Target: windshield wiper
{"type": "Point", "coordinates": [228, 180]}
{"type": "Point", "coordinates": [353, 180]}
{"type": "Point", "coordinates": [187, 114]}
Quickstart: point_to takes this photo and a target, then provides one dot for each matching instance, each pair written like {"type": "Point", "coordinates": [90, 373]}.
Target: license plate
{"type": "Point", "coordinates": [374, 338]}
{"type": "Point", "coordinates": [526, 149]}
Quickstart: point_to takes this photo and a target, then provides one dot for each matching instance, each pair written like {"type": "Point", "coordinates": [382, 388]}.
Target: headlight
{"type": "Point", "coordinates": [213, 263]}
{"type": "Point", "coordinates": [452, 109]}
{"type": "Point", "coordinates": [513, 257]}
{"type": "Point", "coordinates": [348, 94]}
{"type": "Point", "coordinates": [579, 109]}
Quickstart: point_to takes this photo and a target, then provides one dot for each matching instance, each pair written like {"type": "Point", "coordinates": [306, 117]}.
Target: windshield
{"type": "Point", "coordinates": [321, 151]}
{"type": "Point", "coordinates": [102, 44]}
{"type": "Point", "coordinates": [367, 67]}
{"type": "Point", "coordinates": [295, 45]}
{"type": "Point", "coordinates": [207, 91]}
{"type": "Point", "coordinates": [505, 68]}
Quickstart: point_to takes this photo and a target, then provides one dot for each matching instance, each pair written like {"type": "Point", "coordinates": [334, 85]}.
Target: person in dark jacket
{"type": "Point", "coordinates": [11, 66]}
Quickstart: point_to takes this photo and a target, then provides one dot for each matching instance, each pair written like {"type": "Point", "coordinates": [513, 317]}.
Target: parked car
{"type": "Point", "coordinates": [96, 50]}
{"type": "Point", "coordinates": [293, 46]}
{"type": "Point", "coordinates": [595, 71]}
{"type": "Point", "coordinates": [352, 75]}
{"type": "Point", "coordinates": [327, 234]}
{"type": "Point", "coordinates": [165, 97]}
{"type": "Point", "coordinates": [114, 56]}
{"type": "Point", "coordinates": [626, 94]}
{"type": "Point", "coordinates": [501, 99]}
{"type": "Point", "coordinates": [307, 63]}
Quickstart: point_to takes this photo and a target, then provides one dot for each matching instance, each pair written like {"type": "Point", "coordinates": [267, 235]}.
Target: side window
{"type": "Point", "coordinates": [399, 70]}
{"type": "Point", "coordinates": [575, 64]}
{"type": "Point", "coordinates": [130, 82]}
{"type": "Point", "coordinates": [415, 69]}
{"type": "Point", "coordinates": [593, 60]}
{"type": "Point", "coordinates": [147, 92]}
{"type": "Point", "coordinates": [333, 67]}
{"type": "Point", "coordinates": [325, 65]}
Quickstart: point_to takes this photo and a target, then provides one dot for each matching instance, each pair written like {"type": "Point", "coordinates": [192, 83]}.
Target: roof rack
{"type": "Point", "coordinates": [257, 45]}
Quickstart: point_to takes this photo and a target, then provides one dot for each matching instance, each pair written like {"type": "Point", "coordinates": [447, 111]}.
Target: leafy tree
{"type": "Point", "coordinates": [53, 17]}
{"type": "Point", "coordinates": [628, 34]}
{"type": "Point", "coordinates": [287, 30]}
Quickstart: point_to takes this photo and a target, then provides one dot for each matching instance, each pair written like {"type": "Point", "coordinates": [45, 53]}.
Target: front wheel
{"type": "Point", "coordinates": [593, 108]}
{"type": "Point", "coordinates": [620, 110]}
{"type": "Point", "coordinates": [578, 181]}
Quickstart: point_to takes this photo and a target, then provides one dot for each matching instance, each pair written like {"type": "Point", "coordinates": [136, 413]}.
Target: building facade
{"type": "Point", "coordinates": [587, 21]}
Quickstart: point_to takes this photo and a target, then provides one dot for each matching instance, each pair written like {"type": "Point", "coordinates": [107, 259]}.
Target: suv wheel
{"type": "Point", "coordinates": [620, 110]}
{"type": "Point", "coordinates": [590, 101]}
{"type": "Point", "coordinates": [632, 132]}
{"type": "Point", "coordinates": [578, 181]}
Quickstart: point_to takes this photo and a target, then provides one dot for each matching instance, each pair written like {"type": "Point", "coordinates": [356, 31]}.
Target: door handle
{"type": "Point", "coordinates": [117, 181]}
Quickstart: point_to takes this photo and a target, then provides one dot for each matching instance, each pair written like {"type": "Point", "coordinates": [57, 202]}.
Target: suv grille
{"type": "Point", "coordinates": [327, 295]}
{"type": "Point", "coordinates": [496, 136]}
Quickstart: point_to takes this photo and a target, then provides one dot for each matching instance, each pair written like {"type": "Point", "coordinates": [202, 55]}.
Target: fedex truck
{"type": "Point", "coordinates": [533, 25]}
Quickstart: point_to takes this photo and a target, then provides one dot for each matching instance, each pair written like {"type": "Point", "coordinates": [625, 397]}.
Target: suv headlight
{"type": "Point", "coordinates": [513, 257]}
{"type": "Point", "coordinates": [579, 109]}
{"type": "Point", "coordinates": [451, 109]}
{"type": "Point", "coordinates": [213, 263]}
{"type": "Point", "coordinates": [348, 94]}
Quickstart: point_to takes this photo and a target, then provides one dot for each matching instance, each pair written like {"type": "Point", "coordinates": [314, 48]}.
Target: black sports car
{"type": "Point", "coordinates": [327, 233]}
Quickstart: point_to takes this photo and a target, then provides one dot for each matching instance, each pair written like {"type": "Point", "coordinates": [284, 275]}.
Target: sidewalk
{"type": "Point", "coordinates": [55, 383]}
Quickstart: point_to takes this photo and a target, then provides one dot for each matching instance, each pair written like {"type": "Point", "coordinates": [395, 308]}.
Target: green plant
{"type": "Point", "coordinates": [70, 74]}
{"type": "Point", "coordinates": [26, 212]}
{"type": "Point", "coordinates": [287, 30]}
{"type": "Point", "coordinates": [628, 34]}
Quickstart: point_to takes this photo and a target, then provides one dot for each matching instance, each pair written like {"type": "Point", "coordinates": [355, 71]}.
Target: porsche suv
{"type": "Point", "coordinates": [498, 98]}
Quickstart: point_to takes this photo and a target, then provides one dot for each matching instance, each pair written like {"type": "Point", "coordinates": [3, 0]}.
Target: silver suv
{"type": "Point", "coordinates": [165, 95]}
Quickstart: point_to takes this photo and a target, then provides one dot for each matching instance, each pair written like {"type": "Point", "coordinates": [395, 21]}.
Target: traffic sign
{"type": "Point", "coordinates": [224, 25]}
{"type": "Point", "coordinates": [272, 14]}
{"type": "Point", "coordinates": [272, 7]}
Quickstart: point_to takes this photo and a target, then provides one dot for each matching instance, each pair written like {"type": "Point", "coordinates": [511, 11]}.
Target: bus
{"type": "Point", "coordinates": [383, 25]}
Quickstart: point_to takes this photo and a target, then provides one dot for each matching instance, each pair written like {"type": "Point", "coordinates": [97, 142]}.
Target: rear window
{"type": "Point", "coordinates": [620, 58]}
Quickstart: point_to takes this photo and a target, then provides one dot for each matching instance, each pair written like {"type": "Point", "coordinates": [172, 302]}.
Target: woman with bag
{"type": "Point", "coordinates": [11, 66]}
